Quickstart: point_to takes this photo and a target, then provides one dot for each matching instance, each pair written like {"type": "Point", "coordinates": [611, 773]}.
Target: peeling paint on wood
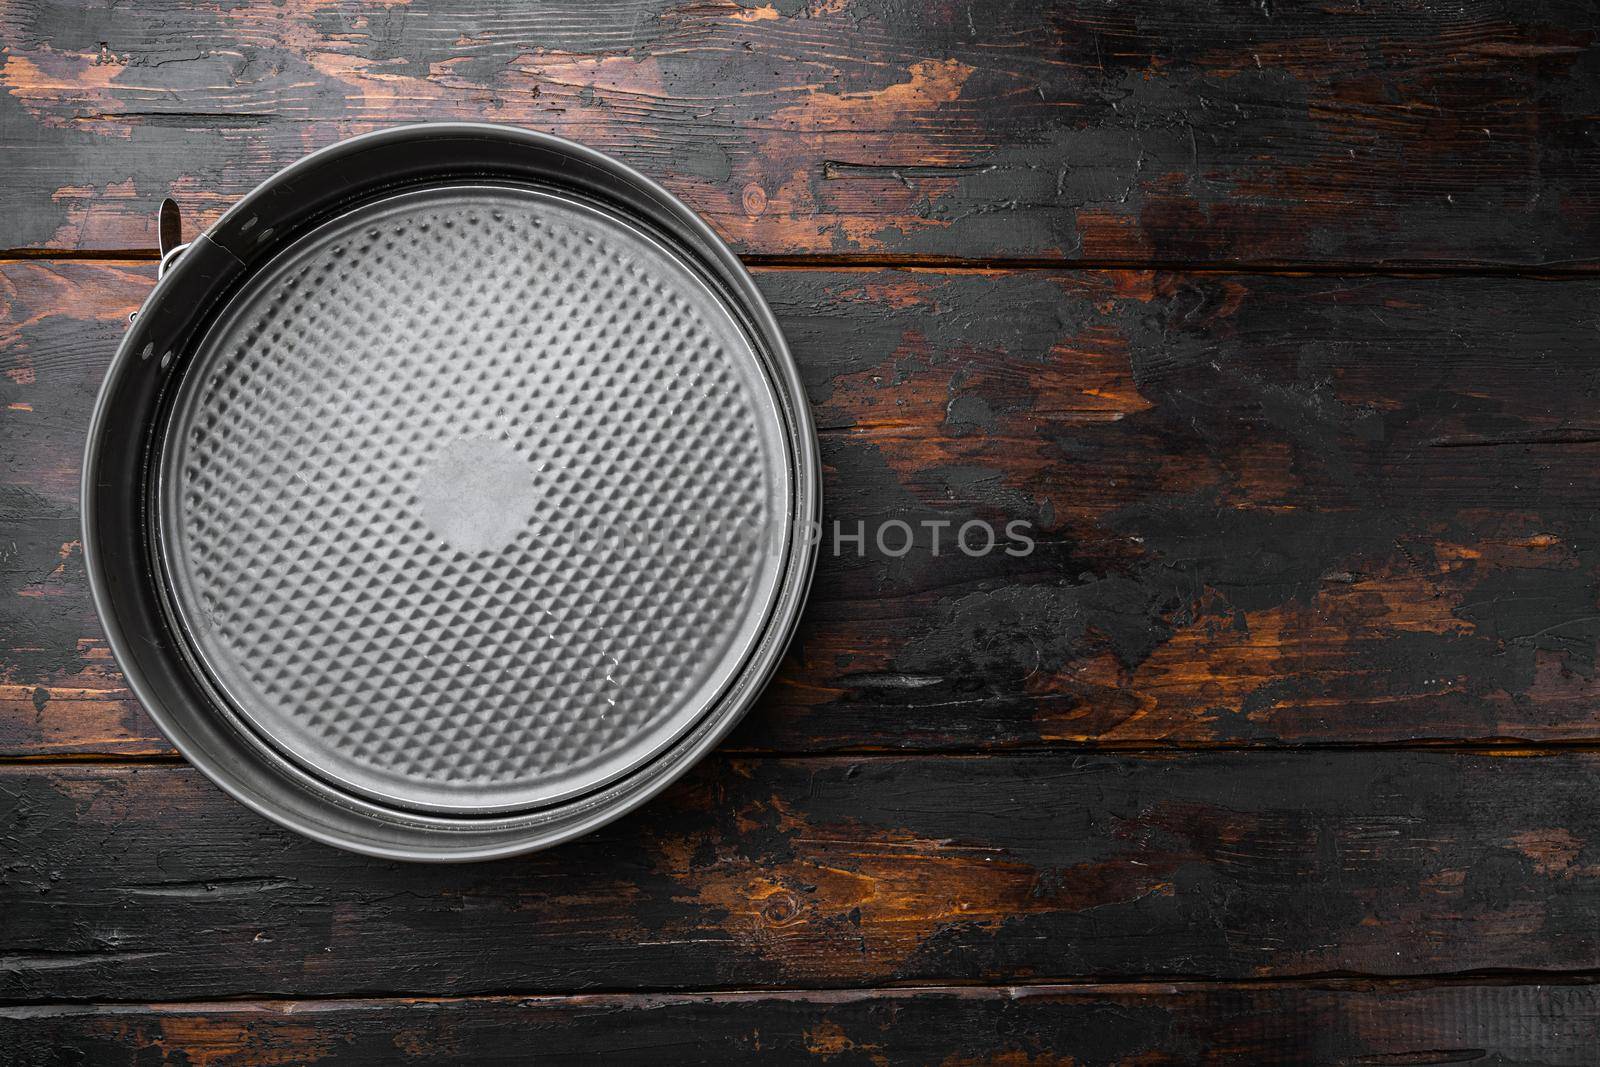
{"type": "Point", "coordinates": [1246, 531]}
{"type": "Point", "coordinates": [1138, 1024]}
{"type": "Point", "coordinates": [149, 883]}
{"type": "Point", "coordinates": [1150, 131]}
{"type": "Point", "coordinates": [1329, 509]}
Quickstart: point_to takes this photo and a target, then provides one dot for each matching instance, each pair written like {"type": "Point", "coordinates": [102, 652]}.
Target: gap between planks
{"type": "Point", "coordinates": [954, 264]}
{"type": "Point", "coordinates": [1123, 985]}
{"type": "Point", "coordinates": [1509, 748]}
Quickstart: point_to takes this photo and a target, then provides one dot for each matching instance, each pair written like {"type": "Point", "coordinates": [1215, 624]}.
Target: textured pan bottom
{"type": "Point", "coordinates": [466, 499]}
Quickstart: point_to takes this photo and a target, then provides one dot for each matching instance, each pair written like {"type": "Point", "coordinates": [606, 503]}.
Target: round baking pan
{"type": "Point", "coordinates": [448, 497]}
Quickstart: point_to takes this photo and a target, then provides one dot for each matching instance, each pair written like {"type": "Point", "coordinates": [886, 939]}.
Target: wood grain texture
{"type": "Point", "coordinates": [1144, 1025]}
{"type": "Point", "coordinates": [1273, 512]}
{"type": "Point", "coordinates": [148, 883]}
{"type": "Point", "coordinates": [1268, 510]}
{"type": "Point", "coordinates": [1149, 131]}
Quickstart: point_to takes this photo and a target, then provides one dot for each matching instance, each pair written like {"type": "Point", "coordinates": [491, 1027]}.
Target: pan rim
{"type": "Point", "coordinates": [406, 834]}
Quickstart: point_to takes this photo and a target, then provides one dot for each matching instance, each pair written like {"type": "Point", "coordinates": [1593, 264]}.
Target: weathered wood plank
{"type": "Point", "coordinates": [1267, 510]}
{"type": "Point", "coordinates": [1143, 1025]}
{"type": "Point", "coordinates": [1150, 131]}
{"type": "Point", "coordinates": [147, 883]}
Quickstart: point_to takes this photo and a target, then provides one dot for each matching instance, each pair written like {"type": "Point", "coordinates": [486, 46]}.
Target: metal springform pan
{"type": "Point", "coordinates": [448, 497]}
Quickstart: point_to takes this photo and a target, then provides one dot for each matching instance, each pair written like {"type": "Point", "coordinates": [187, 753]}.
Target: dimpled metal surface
{"type": "Point", "coordinates": [467, 500]}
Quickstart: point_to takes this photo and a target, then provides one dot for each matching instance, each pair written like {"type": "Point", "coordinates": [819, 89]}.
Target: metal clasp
{"type": "Point", "coordinates": [170, 229]}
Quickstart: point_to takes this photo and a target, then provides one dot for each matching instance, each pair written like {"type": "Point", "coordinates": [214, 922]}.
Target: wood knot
{"type": "Point", "coordinates": [755, 199]}
{"type": "Point", "coordinates": [781, 909]}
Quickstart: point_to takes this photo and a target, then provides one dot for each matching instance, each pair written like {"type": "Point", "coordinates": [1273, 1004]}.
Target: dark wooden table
{"type": "Point", "coordinates": [1279, 321]}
